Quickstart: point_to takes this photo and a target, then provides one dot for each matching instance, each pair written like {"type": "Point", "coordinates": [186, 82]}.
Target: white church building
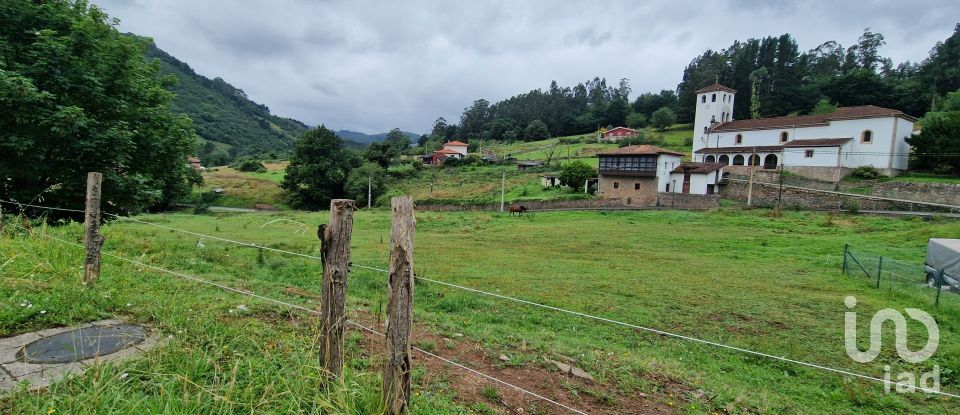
{"type": "Point", "coordinates": [824, 146]}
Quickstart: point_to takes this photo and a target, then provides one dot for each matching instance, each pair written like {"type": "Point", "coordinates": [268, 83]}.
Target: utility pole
{"type": "Point", "coordinates": [369, 190]}
{"type": "Point", "coordinates": [750, 185]}
{"type": "Point", "coordinates": [503, 185]}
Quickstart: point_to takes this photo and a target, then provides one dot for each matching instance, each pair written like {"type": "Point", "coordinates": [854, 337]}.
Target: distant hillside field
{"type": "Point", "coordinates": [223, 116]}
{"type": "Point", "coordinates": [371, 138]}
{"type": "Point", "coordinates": [584, 147]}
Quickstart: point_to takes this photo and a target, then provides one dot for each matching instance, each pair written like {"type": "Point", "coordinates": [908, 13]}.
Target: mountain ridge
{"type": "Point", "coordinates": [229, 124]}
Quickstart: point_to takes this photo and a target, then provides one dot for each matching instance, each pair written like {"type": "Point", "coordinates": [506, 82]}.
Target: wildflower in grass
{"type": "Point", "coordinates": [50, 411]}
{"type": "Point", "coordinates": [43, 311]}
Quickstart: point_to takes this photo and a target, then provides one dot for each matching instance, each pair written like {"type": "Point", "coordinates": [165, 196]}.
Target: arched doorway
{"type": "Point", "coordinates": [770, 161]}
{"type": "Point", "coordinates": [738, 160]}
{"type": "Point", "coordinates": [724, 160]}
{"type": "Point", "coordinates": [754, 160]}
{"type": "Point", "coordinates": [710, 159]}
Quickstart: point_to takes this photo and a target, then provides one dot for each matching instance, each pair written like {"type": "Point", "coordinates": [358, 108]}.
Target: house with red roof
{"type": "Point", "coordinates": [634, 175]}
{"type": "Point", "coordinates": [455, 149]}
{"type": "Point", "coordinates": [821, 146]}
{"type": "Point", "coordinates": [618, 133]}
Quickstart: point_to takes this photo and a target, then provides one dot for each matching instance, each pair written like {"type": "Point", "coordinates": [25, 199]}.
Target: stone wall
{"type": "Point", "coordinates": [630, 190]}
{"type": "Point", "coordinates": [532, 205]}
{"type": "Point", "coordinates": [688, 201]}
{"type": "Point", "coordinates": [826, 174]}
{"type": "Point", "coordinates": [766, 195]}
{"type": "Point", "coordinates": [945, 193]}
{"type": "Point", "coordinates": [942, 193]}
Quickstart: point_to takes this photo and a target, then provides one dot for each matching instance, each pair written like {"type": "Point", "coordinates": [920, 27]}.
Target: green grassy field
{"type": "Point", "coordinates": [475, 185]}
{"type": "Point", "coordinates": [586, 147]}
{"type": "Point", "coordinates": [743, 278]}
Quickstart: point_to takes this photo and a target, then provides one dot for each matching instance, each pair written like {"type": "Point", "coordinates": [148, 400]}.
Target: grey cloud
{"type": "Point", "coordinates": [372, 65]}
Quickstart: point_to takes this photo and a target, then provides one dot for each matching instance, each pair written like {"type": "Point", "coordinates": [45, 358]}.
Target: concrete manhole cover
{"type": "Point", "coordinates": [83, 343]}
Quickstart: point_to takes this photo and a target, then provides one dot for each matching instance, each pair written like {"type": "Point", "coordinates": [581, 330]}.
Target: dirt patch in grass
{"type": "Point", "coordinates": [592, 397]}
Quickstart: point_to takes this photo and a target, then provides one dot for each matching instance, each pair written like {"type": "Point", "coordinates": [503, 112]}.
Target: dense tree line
{"type": "Point", "coordinates": [562, 110]}
{"type": "Point", "coordinates": [78, 96]}
{"type": "Point", "coordinates": [773, 77]}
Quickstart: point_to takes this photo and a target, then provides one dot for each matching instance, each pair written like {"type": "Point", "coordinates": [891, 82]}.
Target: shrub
{"type": "Point", "coordinates": [203, 202]}
{"type": "Point", "coordinates": [852, 205]}
{"type": "Point", "coordinates": [249, 165]}
{"type": "Point", "coordinates": [574, 175]}
{"type": "Point", "coordinates": [452, 162]}
{"type": "Point", "coordinates": [866, 172]}
{"type": "Point", "coordinates": [663, 118]}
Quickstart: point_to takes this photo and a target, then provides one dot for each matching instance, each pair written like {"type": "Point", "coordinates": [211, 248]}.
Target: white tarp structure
{"type": "Point", "coordinates": [944, 254]}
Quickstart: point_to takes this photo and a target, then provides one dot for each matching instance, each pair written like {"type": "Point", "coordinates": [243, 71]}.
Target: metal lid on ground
{"type": "Point", "coordinates": [81, 344]}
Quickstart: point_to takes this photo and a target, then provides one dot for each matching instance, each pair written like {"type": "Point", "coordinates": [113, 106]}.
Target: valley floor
{"type": "Point", "coordinates": [748, 279]}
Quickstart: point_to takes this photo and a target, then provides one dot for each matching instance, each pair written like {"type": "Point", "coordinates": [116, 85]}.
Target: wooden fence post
{"type": "Point", "coordinates": [91, 229]}
{"type": "Point", "coordinates": [396, 374]}
{"type": "Point", "coordinates": [335, 253]}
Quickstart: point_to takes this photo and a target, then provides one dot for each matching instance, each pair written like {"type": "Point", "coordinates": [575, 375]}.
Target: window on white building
{"type": "Point", "coordinates": [866, 137]}
{"type": "Point", "coordinates": [784, 136]}
{"type": "Point", "coordinates": [739, 139]}
{"type": "Point", "coordinates": [713, 98]}
{"type": "Point", "coordinates": [703, 99]}
{"type": "Point", "coordinates": [808, 153]}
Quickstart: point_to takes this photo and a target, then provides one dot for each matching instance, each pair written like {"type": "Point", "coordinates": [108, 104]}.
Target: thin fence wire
{"type": "Point", "coordinates": [314, 312]}
{"type": "Point", "coordinates": [863, 267]}
{"type": "Point", "coordinates": [907, 279]}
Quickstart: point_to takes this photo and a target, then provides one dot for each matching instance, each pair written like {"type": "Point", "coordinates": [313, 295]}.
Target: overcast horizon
{"type": "Point", "coordinates": [370, 67]}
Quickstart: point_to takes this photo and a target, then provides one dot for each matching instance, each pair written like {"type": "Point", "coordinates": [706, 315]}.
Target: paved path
{"type": "Point", "coordinates": [14, 370]}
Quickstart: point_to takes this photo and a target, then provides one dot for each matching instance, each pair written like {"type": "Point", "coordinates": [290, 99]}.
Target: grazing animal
{"type": "Point", "coordinates": [518, 209]}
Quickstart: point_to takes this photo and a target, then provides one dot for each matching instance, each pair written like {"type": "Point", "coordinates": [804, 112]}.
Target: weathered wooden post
{"type": "Point", "coordinates": [91, 229]}
{"type": "Point", "coordinates": [396, 375]}
{"type": "Point", "coordinates": [335, 253]}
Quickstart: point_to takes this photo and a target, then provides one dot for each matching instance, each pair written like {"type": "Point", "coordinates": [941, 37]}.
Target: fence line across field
{"type": "Point", "coordinates": [574, 313]}
{"type": "Point", "coordinates": [314, 312]}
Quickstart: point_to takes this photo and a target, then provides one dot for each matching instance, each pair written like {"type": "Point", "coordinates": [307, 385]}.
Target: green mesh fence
{"type": "Point", "coordinates": [907, 279]}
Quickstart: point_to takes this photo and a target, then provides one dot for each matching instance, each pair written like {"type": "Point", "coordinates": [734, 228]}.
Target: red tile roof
{"type": "Point", "coordinates": [454, 143]}
{"type": "Point", "coordinates": [844, 113]}
{"type": "Point", "coordinates": [621, 128]}
{"type": "Point", "coordinates": [640, 149]}
{"type": "Point", "coordinates": [698, 168]}
{"type": "Point", "coordinates": [818, 142]}
{"type": "Point", "coordinates": [715, 87]}
{"type": "Point", "coordinates": [446, 151]}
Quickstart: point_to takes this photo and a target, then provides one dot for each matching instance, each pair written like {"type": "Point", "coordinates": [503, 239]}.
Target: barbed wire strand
{"type": "Point", "coordinates": [302, 308]}
{"type": "Point", "coordinates": [589, 316]}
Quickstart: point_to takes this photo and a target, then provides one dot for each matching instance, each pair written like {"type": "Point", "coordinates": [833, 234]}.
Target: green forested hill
{"type": "Point", "coordinates": [229, 123]}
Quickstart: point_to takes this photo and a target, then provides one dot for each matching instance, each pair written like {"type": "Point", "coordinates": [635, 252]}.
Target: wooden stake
{"type": "Point", "coordinates": [91, 229]}
{"type": "Point", "coordinates": [396, 375]}
{"type": "Point", "coordinates": [335, 253]}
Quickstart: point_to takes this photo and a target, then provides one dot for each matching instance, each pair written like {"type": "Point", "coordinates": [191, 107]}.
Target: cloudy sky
{"type": "Point", "coordinates": [374, 65]}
